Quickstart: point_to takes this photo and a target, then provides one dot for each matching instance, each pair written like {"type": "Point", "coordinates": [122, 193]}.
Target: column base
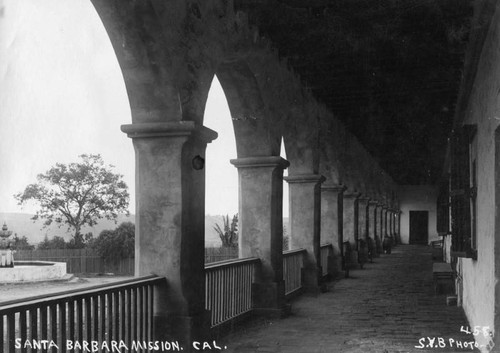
{"type": "Point", "coordinates": [334, 266]}
{"type": "Point", "coordinates": [354, 264]}
{"type": "Point", "coordinates": [182, 328]}
{"type": "Point", "coordinates": [269, 295]}
{"type": "Point", "coordinates": [312, 283]}
{"type": "Point", "coordinates": [269, 300]}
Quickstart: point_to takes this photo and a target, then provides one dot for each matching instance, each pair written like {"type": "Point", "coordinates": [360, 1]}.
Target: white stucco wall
{"type": "Point", "coordinates": [483, 110]}
{"type": "Point", "coordinates": [417, 198]}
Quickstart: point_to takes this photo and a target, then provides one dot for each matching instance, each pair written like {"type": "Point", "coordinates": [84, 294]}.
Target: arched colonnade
{"type": "Point", "coordinates": [169, 53]}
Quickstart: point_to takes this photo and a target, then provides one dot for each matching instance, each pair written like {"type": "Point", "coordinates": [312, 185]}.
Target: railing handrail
{"type": "Point", "coordinates": [293, 252]}
{"type": "Point", "coordinates": [38, 299]}
{"type": "Point", "coordinates": [226, 263]}
{"type": "Point", "coordinates": [326, 245]}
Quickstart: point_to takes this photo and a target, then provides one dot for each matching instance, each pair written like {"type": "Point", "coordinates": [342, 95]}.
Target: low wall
{"type": "Point", "coordinates": [33, 271]}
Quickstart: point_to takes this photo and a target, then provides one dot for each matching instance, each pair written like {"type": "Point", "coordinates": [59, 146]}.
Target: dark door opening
{"type": "Point", "coordinates": [419, 227]}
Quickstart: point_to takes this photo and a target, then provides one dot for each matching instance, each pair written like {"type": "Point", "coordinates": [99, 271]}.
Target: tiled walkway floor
{"type": "Point", "coordinates": [386, 307]}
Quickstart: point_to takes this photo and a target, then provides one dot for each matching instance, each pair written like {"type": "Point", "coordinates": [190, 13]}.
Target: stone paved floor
{"type": "Point", "coordinates": [386, 307]}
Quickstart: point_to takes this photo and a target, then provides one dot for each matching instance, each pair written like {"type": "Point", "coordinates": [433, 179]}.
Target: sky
{"type": "Point", "coordinates": [62, 94]}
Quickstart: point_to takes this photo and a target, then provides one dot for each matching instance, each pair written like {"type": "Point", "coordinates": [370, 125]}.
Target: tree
{"type": "Point", "coordinates": [228, 236]}
{"type": "Point", "coordinates": [21, 243]}
{"type": "Point", "coordinates": [56, 242]}
{"type": "Point", "coordinates": [77, 194]}
{"type": "Point", "coordinates": [80, 241]}
{"type": "Point", "coordinates": [116, 244]}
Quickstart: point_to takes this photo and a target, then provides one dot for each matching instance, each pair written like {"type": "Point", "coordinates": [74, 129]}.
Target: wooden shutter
{"type": "Point", "coordinates": [460, 193]}
{"type": "Point", "coordinates": [443, 209]}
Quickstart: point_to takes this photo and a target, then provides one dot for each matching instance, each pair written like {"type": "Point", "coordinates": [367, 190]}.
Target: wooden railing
{"type": "Point", "coordinates": [228, 288]}
{"type": "Point", "coordinates": [326, 250]}
{"type": "Point", "coordinates": [220, 254]}
{"type": "Point", "coordinates": [112, 312]}
{"type": "Point", "coordinates": [293, 261]}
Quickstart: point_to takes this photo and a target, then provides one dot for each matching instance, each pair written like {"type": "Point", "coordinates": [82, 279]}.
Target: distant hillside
{"type": "Point", "coordinates": [21, 224]}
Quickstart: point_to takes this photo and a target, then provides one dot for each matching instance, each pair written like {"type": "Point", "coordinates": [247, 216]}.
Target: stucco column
{"type": "Point", "coordinates": [372, 223]}
{"type": "Point", "coordinates": [384, 222]}
{"type": "Point", "coordinates": [362, 217]}
{"type": "Point", "coordinates": [261, 227]}
{"type": "Point", "coordinates": [332, 221]}
{"type": "Point", "coordinates": [393, 225]}
{"type": "Point", "coordinates": [390, 225]}
{"type": "Point", "coordinates": [398, 226]}
{"type": "Point", "coordinates": [305, 223]}
{"type": "Point", "coordinates": [379, 227]}
{"type": "Point", "coordinates": [351, 224]}
{"type": "Point", "coordinates": [389, 221]}
{"type": "Point", "coordinates": [170, 222]}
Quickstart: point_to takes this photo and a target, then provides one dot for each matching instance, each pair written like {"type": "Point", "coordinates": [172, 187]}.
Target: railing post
{"type": "Point", "coordinates": [261, 228]}
{"type": "Point", "coordinates": [170, 212]}
{"type": "Point", "coordinates": [332, 223]}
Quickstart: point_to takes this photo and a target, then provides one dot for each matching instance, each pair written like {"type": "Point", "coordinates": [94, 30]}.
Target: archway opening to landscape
{"type": "Point", "coordinates": [221, 180]}
{"type": "Point", "coordinates": [62, 95]}
{"type": "Point", "coordinates": [286, 200]}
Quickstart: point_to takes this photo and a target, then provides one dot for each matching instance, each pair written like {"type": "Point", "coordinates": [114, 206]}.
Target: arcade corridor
{"type": "Point", "coordinates": [386, 307]}
{"type": "Point", "coordinates": [384, 108]}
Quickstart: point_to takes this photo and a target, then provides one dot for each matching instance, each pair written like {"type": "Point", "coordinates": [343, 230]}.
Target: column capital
{"type": "Point", "coordinates": [304, 178]}
{"type": "Point", "coordinates": [256, 162]}
{"type": "Point", "coordinates": [337, 188]}
{"type": "Point", "coordinates": [169, 129]}
{"type": "Point", "coordinates": [352, 195]}
{"type": "Point", "coordinates": [364, 199]}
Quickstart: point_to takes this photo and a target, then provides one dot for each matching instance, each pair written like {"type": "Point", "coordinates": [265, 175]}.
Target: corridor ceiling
{"type": "Point", "coordinates": [389, 69]}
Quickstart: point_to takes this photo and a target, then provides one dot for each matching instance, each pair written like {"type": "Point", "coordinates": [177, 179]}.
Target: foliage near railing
{"type": "Point", "coordinates": [220, 254]}
{"type": "Point", "coordinates": [293, 261]}
{"type": "Point", "coordinates": [105, 313]}
{"type": "Point", "coordinates": [228, 288]}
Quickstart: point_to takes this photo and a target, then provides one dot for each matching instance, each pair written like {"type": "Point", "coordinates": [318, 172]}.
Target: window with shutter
{"type": "Point", "coordinates": [473, 190]}
{"type": "Point", "coordinates": [461, 192]}
{"type": "Point", "coordinates": [443, 209]}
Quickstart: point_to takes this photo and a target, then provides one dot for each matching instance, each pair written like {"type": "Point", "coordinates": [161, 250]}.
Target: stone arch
{"type": "Point", "coordinates": [248, 112]}
{"type": "Point", "coordinates": [142, 52]}
{"type": "Point", "coordinates": [301, 137]}
{"type": "Point", "coordinates": [330, 162]}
